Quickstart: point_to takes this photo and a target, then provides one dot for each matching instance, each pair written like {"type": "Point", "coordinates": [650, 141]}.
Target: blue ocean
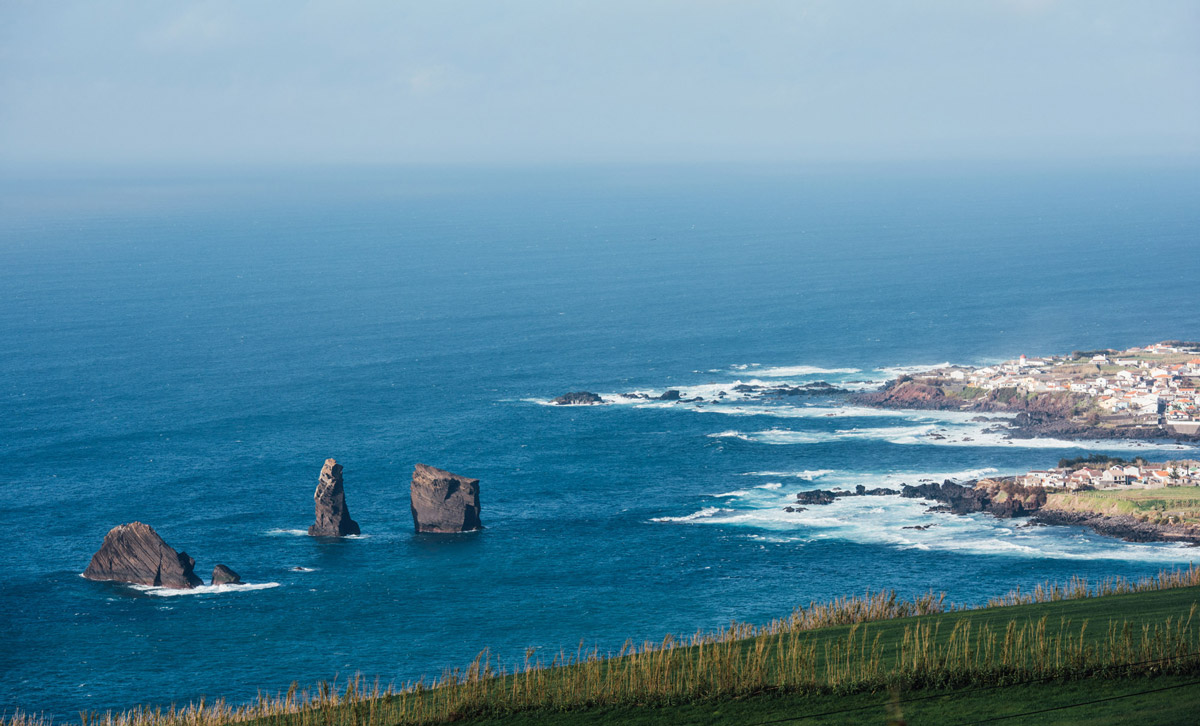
{"type": "Point", "coordinates": [186, 349]}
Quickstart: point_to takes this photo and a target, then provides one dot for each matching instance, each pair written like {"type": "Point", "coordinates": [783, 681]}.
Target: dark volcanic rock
{"type": "Point", "coordinates": [805, 389]}
{"type": "Point", "coordinates": [444, 502]}
{"type": "Point", "coordinates": [1018, 501]}
{"type": "Point", "coordinates": [333, 518]}
{"type": "Point", "coordinates": [134, 553]}
{"type": "Point", "coordinates": [222, 575]}
{"type": "Point", "coordinates": [671, 395]}
{"type": "Point", "coordinates": [818, 496]}
{"type": "Point", "coordinates": [827, 496]}
{"type": "Point", "coordinates": [577, 398]}
{"type": "Point", "coordinates": [862, 491]}
{"type": "Point", "coordinates": [956, 498]}
{"type": "Point", "coordinates": [1125, 527]}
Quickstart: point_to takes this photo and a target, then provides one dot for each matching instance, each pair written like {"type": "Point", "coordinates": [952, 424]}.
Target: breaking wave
{"type": "Point", "coordinates": [702, 514]}
{"type": "Point", "coordinates": [204, 589]}
{"type": "Point", "coordinates": [883, 521]}
{"type": "Point", "coordinates": [935, 435]}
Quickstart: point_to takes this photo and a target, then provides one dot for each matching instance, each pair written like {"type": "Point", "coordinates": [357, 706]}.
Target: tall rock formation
{"type": "Point", "coordinates": [333, 518]}
{"type": "Point", "coordinates": [134, 553]}
{"type": "Point", "coordinates": [444, 502]}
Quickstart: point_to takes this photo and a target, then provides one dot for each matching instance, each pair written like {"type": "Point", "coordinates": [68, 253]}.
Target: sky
{"type": "Point", "coordinates": [252, 81]}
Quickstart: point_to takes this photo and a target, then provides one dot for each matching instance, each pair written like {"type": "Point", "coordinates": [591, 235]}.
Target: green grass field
{"type": "Point", "coordinates": [1173, 699]}
{"type": "Point", "coordinates": [1182, 504]}
{"type": "Point", "coordinates": [1069, 654]}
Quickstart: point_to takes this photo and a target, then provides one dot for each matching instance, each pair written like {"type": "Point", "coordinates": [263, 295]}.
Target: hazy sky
{"type": "Point", "coordinates": [559, 80]}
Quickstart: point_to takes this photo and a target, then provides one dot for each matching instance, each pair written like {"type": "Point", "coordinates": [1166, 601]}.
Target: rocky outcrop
{"type": "Point", "coordinates": [1122, 526]}
{"type": "Point", "coordinates": [901, 393]}
{"type": "Point", "coordinates": [333, 518]}
{"type": "Point", "coordinates": [1002, 499]}
{"type": "Point", "coordinates": [827, 496]}
{"type": "Point", "coordinates": [134, 553]}
{"type": "Point", "coordinates": [444, 502]}
{"type": "Point", "coordinates": [818, 496]}
{"type": "Point", "coordinates": [670, 395]}
{"type": "Point", "coordinates": [1029, 425]}
{"type": "Point", "coordinates": [222, 575]}
{"type": "Point", "coordinates": [577, 398]}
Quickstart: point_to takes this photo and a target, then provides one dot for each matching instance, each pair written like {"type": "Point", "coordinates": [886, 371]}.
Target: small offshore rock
{"type": "Point", "coordinates": [333, 517]}
{"type": "Point", "coordinates": [818, 496]}
{"type": "Point", "coordinates": [222, 575]}
{"type": "Point", "coordinates": [134, 553]}
{"type": "Point", "coordinates": [578, 398]}
{"type": "Point", "coordinates": [671, 395]}
{"type": "Point", "coordinates": [443, 502]}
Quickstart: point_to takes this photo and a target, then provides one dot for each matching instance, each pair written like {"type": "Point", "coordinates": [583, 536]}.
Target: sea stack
{"type": "Point", "coordinates": [134, 553]}
{"type": "Point", "coordinates": [444, 502]}
{"type": "Point", "coordinates": [222, 575]}
{"type": "Point", "coordinates": [333, 518]}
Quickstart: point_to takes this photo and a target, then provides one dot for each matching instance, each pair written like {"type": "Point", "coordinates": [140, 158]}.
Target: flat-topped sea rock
{"type": "Point", "coordinates": [134, 553]}
{"type": "Point", "coordinates": [333, 517]}
{"type": "Point", "coordinates": [222, 575]}
{"type": "Point", "coordinates": [444, 502]}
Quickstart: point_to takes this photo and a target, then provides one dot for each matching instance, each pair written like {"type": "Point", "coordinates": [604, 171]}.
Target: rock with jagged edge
{"type": "Point", "coordinates": [134, 553]}
{"type": "Point", "coordinates": [333, 517]}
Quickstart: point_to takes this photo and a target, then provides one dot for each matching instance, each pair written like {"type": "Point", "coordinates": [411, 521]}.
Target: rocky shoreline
{"type": "Point", "coordinates": [1041, 415]}
{"type": "Point", "coordinates": [1123, 527]}
{"type": "Point", "coordinates": [1005, 499]}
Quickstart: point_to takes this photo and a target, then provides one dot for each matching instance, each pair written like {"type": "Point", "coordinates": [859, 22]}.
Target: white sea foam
{"type": "Point", "coordinates": [737, 493]}
{"type": "Point", "coordinates": [897, 371]}
{"type": "Point", "coordinates": [304, 533]}
{"type": "Point", "coordinates": [882, 521]}
{"type": "Point", "coordinates": [769, 485]}
{"type": "Point", "coordinates": [825, 411]}
{"type": "Point", "coordinates": [204, 589]}
{"type": "Point", "coordinates": [808, 475]}
{"type": "Point", "coordinates": [705, 513]}
{"type": "Point", "coordinates": [799, 371]}
{"type": "Point", "coordinates": [935, 435]}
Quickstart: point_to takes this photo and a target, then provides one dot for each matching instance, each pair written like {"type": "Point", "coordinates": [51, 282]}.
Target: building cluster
{"type": "Point", "coordinates": [1140, 475]}
{"type": "Point", "coordinates": [1158, 382]}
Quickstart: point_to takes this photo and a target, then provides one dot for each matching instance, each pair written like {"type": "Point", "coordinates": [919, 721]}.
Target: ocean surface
{"type": "Point", "coordinates": [187, 349]}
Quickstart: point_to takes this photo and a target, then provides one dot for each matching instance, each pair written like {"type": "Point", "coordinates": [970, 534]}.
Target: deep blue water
{"type": "Point", "coordinates": [186, 351]}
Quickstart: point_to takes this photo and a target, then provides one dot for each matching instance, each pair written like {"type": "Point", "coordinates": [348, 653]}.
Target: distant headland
{"type": "Point", "coordinates": [1137, 393]}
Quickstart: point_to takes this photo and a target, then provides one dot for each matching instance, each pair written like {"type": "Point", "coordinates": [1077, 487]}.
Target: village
{"type": "Point", "coordinates": [1154, 385]}
{"type": "Point", "coordinates": [1117, 475]}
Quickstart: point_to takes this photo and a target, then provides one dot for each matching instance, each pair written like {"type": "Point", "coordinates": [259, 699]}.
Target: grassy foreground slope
{"type": "Point", "coordinates": [1147, 696]}
{"type": "Point", "coordinates": [1050, 649]}
{"type": "Point", "coordinates": [1172, 701]}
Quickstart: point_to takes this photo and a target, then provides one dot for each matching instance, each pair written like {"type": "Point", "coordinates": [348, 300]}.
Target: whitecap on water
{"type": "Point", "coordinates": [969, 435]}
{"type": "Point", "coordinates": [883, 521]}
{"type": "Point", "coordinates": [799, 371]}
{"type": "Point", "coordinates": [204, 589]}
{"type": "Point", "coordinates": [702, 514]}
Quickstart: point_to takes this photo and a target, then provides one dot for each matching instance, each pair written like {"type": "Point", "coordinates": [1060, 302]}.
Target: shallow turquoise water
{"type": "Point", "coordinates": [186, 351]}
